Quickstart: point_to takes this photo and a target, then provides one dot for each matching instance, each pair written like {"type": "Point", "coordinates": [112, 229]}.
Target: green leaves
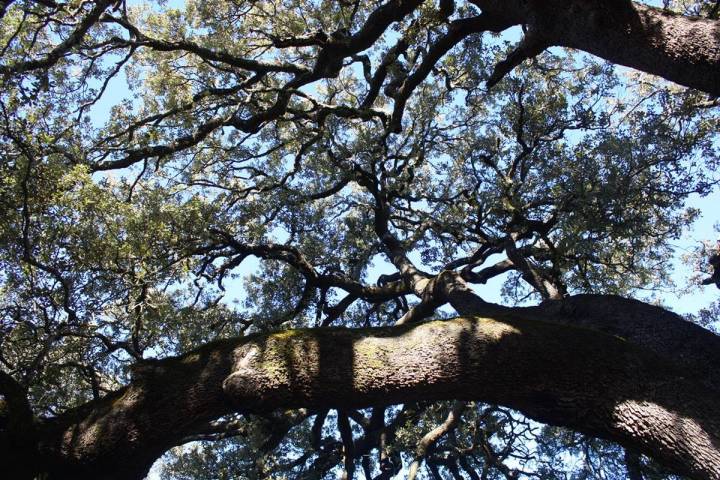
{"type": "Point", "coordinates": [176, 174]}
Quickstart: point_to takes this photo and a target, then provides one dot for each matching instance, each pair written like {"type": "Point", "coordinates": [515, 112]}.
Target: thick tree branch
{"type": "Point", "coordinates": [681, 49]}
{"type": "Point", "coordinates": [655, 329]}
{"type": "Point", "coordinates": [457, 31]}
{"type": "Point", "coordinates": [529, 47]}
{"type": "Point", "coordinates": [17, 424]}
{"type": "Point", "coordinates": [15, 411]}
{"type": "Point", "coordinates": [139, 39]}
{"type": "Point", "coordinates": [714, 262]}
{"type": "Point", "coordinates": [348, 445]}
{"type": "Point", "coordinates": [294, 257]}
{"type": "Point", "coordinates": [52, 57]}
{"type": "Point", "coordinates": [540, 368]}
{"type": "Point", "coordinates": [431, 437]}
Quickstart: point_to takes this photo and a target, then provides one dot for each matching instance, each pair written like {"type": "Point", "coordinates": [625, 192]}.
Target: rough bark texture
{"type": "Point", "coordinates": [654, 328]}
{"type": "Point", "coordinates": [687, 345]}
{"type": "Point", "coordinates": [682, 49]}
{"type": "Point", "coordinates": [572, 376]}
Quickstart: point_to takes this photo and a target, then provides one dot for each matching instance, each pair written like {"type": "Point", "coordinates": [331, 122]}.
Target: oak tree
{"type": "Point", "coordinates": [246, 229]}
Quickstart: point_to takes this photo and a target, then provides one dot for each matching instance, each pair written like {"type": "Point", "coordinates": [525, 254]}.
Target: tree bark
{"type": "Point", "coordinates": [682, 49]}
{"type": "Point", "coordinates": [559, 374]}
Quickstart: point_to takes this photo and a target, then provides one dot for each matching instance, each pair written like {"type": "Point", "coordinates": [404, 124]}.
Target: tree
{"type": "Point", "coordinates": [381, 161]}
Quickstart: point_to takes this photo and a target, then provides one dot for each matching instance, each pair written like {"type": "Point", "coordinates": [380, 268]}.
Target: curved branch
{"type": "Point", "coordinates": [140, 39]}
{"type": "Point", "coordinates": [684, 50]}
{"type": "Point", "coordinates": [295, 257]}
{"type": "Point", "coordinates": [637, 398]}
{"type": "Point", "coordinates": [64, 47]}
{"type": "Point", "coordinates": [664, 333]}
{"type": "Point", "coordinates": [431, 437]}
{"type": "Point", "coordinates": [457, 31]}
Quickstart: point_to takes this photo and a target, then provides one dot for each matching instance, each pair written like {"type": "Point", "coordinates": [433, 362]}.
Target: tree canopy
{"type": "Point", "coordinates": [246, 229]}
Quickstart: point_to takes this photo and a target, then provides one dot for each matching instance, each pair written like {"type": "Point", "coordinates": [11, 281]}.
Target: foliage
{"type": "Point", "coordinates": [200, 171]}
